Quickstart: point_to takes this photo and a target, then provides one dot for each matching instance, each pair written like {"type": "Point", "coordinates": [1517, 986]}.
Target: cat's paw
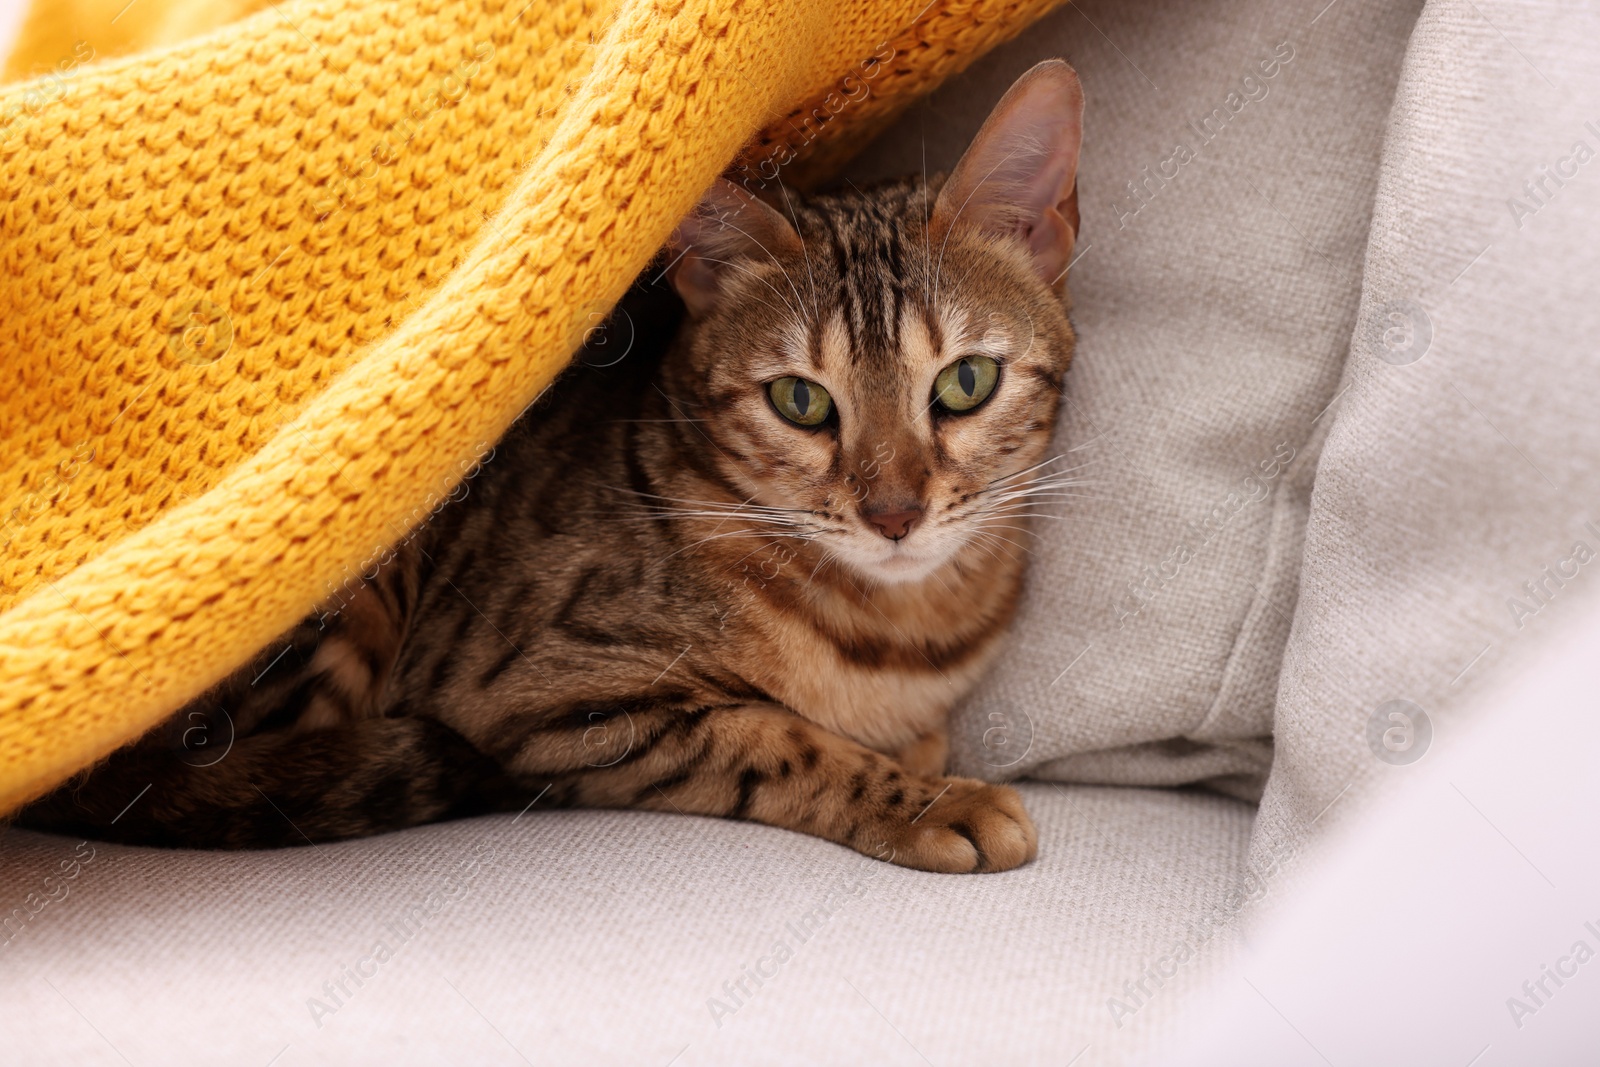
{"type": "Point", "coordinates": [968, 825]}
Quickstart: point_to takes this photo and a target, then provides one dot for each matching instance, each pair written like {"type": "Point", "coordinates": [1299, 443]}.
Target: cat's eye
{"type": "Point", "coordinates": [802, 402]}
{"type": "Point", "coordinates": [966, 383]}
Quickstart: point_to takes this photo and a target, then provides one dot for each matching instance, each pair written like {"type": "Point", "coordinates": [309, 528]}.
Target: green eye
{"type": "Point", "coordinates": [966, 383]}
{"type": "Point", "coordinates": [801, 402]}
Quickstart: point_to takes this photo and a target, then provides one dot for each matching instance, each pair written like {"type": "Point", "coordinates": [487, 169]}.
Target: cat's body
{"type": "Point", "coordinates": [662, 593]}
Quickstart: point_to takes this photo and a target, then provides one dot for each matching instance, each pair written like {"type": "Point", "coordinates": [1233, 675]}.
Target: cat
{"type": "Point", "coordinates": [750, 581]}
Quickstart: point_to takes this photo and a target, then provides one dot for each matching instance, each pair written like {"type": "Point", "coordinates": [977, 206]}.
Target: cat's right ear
{"type": "Point", "coordinates": [1019, 179]}
{"type": "Point", "coordinates": [707, 250]}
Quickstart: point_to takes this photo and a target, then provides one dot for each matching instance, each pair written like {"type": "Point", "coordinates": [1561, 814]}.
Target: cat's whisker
{"type": "Point", "coordinates": [746, 507]}
{"type": "Point", "coordinates": [654, 508]}
{"type": "Point", "coordinates": [650, 511]}
{"type": "Point", "coordinates": [1039, 489]}
{"type": "Point", "coordinates": [696, 500]}
{"type": "Point", "coordinates": [1019, 507]}
{"type": "Point", "coordinates": [740, 267]}
{"type": "Point", "coordinates": [1090, 443]}
{"type": "Point", "coordinates": [825, 557]}
{"type": "Point", "coordinates": [799, 300]}
{"type": "Point", "coordinates": [732, 533]}
{"type": "Point", "coordinates": [753, 529]}
{"type": "Point", "coordinates": [678, 408]}
{"type": "Point", "coordinates": [722, 518]}
{"type": "Point", "coordinates": [988, 544]}
{"type": "Point", "coordinates": [1005, 526]}
{"type": "Point", "coordinates": [1001, 539]}
{"type": "Point", "coordinates": [997, 546]}
{"type": "Point", "coordinates": [753, 551]}
{"type": "Point", "coordinates": [1043, 486]}
{"type": "Point", "coordinates": [657, 511]}
{"type": "Point", "coordinates": [1057, 496]}
{"type": "Point", "coordinates": [938, 578]}
{"type": "Point", "coordinates": [1005, 478]}
{"type": "Point", "coordinates": [1044, 515]}
{"type": "Point", "coordinates": [794, 219]}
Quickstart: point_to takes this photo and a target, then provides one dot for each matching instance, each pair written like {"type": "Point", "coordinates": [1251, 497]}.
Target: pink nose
{"type": "Point", "coordinates": [894, 524]}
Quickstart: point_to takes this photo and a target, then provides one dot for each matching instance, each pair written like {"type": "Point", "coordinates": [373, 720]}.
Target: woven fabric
{"type": "Point", "coordinates": [269, 290]}
{"type": "Point", "coordinates": [590, 937]}
{"type": "Point", "coordinates": [1454, 523]}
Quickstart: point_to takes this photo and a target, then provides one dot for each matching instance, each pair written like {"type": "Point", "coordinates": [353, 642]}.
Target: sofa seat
{"type": "Point", "coordinates": [590, 937]}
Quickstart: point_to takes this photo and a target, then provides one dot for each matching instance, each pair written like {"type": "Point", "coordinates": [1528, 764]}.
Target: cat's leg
{"type": "Point", "coordinates": [764, 763]}
{"type": "Point", "coordinates": [928, 754]}
{"type": "Point", "coordinates": [279, 788]}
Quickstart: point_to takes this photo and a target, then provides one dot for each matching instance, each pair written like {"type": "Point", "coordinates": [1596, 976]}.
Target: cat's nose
{"type": "Point", "coordinates": [894, 524]}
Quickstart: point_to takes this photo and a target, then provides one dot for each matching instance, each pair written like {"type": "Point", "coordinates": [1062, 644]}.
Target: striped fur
{"type": "Point", "coordinates": [659, 594]}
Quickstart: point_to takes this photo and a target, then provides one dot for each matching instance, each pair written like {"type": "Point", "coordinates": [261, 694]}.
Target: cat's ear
{"type": "Point", "coordinates": [1020, 176]}
{"type": "Point", "coordinates": [727, 226]}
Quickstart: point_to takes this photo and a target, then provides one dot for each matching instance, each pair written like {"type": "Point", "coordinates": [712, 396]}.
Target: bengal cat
{"type": "Point", "coordinates": [748, 582]}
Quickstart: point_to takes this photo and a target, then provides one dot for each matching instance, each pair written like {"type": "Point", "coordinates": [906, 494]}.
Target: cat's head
{"type": "Point", "coordinates": [886, 365]}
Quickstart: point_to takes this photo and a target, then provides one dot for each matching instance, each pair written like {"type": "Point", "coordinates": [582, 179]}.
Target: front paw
{"type": "Point", "coordinates": [965, 825]}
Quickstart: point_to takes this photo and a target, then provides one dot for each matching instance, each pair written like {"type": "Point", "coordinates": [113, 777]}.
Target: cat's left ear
{"type": "Point", "coordinates": [1020, 176]}
{"type": "Point", "coordinates": [729, 224]}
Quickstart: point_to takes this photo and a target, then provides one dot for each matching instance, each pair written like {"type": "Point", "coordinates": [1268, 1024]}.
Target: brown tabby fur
{"type": "Point", "coordinates": [659, 594]}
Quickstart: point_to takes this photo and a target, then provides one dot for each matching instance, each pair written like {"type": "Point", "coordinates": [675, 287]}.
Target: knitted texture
{"type": "Point", "coordinates": [269, 291]}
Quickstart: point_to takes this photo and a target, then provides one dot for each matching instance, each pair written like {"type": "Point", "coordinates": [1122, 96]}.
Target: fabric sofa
{"type": "Point", "coordinates": [1332, 400]}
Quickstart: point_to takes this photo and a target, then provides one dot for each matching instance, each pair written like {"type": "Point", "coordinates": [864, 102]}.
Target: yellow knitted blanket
{"type": "Point", "coordinates": [273, 278]}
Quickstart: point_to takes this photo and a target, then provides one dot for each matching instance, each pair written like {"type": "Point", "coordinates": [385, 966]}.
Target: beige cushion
{"type": "Point", "coordinates": [1450, 483]}
{"type": "Point", "coordinates": [1215, 310]}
